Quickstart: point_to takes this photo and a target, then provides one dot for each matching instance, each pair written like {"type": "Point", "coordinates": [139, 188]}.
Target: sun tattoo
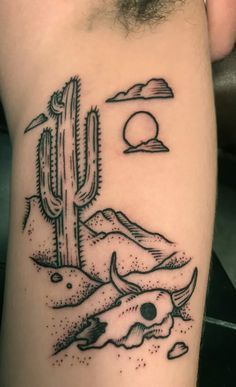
{"type": "Point", "coordinates": [112, 282]}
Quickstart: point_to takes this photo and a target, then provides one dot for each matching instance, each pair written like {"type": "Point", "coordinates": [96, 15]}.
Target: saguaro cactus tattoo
{"type": "Point", "coordinates": [64, 186]}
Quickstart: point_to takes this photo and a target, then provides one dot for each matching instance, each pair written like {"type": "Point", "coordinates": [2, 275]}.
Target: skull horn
{"type": "Point", "coordinates": [123, 286]}
{"type": "Point", "coordinates": [180, 297]}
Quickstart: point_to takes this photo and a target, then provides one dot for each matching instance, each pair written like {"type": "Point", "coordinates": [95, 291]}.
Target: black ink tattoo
{"type": "Point", "coordinates": [39, 120]}
{"type": "Point", "coordinates": [141, 129]}
{"type": "Point", "coordinates": [177, 350]}
{"type": "Point", "coordinates": [105, 268]}
{"type": "Point", "coordinates": [72, 190]}
{"type": "Point", "coordinates": [141, 134]}
{"type": "Point", "coordinates": [138, 314]}
{"type": "Point", "coordinates": [154, 88]}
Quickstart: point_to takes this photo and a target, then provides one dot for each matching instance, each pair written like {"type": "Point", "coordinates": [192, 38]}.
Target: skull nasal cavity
{"type": "Point", "coordinates": [148, 311]}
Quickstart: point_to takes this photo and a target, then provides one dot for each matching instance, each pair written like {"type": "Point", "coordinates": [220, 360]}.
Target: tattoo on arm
{"type": "Point", "coordinates": [103, 269]}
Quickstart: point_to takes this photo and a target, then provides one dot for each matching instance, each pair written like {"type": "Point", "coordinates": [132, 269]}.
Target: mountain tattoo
{"type": "Point", "coordinates": [107, 280]}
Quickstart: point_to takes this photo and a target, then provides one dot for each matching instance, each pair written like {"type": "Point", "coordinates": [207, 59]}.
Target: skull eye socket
{"type": "Point", "coordinates": [148, 311]}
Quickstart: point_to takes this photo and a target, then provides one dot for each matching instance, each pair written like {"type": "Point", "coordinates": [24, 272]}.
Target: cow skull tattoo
{"type": "Point", "coordinates": [107, 279]}
{"type": "Point", "coordinates": [136, 315]}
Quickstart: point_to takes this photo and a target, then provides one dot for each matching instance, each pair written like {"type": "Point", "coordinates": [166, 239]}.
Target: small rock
{"type": "Point", "coordinates": [56, 277]}
{"type": "Point", "coordinates": [178, 349]}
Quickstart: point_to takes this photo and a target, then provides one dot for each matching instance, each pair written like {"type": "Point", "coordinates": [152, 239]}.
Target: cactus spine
{"type": "Point", "coordinates": [69, 176]}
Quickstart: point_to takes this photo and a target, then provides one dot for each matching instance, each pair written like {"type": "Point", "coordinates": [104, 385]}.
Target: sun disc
{"type": "Point", "coordinates": [140, 127]}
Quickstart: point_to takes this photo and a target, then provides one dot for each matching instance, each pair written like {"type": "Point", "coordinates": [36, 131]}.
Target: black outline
{"type": "Point", "coordinates": [103, 284]}
{"type": "Point", "coordinates": [37, 121]}
{"type": "Point", "coordinates": [136, 238]}
{"type": "Point", "coordinates": [181, 296]}
{"type": "Point", "coordinates": [143, 146]}
{"type": "Point", "coordinates": [173, 348]}
{"type": "Point", "coordinates": [82, 180]}
{"type": "Point", "coordinates": [53, 180]}
{"type": "Point", "coordinates": [134, 292]}
{"type": "Point", "coordinates": [134, 346]}
{"type": "Point", "coordinates": [127, 222]}
{"type": "Point", "coordinates": [135, 114]}
{"type": "Point", "coordinates": [142, 86]}
{"type": "Point", "coordinates": [27, 210]}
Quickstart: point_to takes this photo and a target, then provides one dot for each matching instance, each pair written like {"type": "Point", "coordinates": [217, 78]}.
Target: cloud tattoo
{"type": "Point", "coordinates": [154, 88]}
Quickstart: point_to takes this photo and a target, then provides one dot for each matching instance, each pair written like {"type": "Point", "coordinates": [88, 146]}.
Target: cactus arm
{"type": "Point", "coordinates": [89, 188]}
{"type": "Point", "coordinates": [51, 204]}
{"type": "Point", "coordinates": [56, 106]}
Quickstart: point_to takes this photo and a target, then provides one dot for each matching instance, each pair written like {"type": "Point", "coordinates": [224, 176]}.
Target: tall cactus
{"type": "Point", "coordinates": [69, 173]}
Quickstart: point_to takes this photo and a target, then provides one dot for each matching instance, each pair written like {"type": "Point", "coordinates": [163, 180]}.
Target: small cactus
{"type": "Point", "coordinates": [68, 174]}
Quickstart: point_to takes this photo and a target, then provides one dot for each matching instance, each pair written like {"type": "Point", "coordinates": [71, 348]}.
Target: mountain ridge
{"type": "Point", "coordinates": [109, 220]}
{"type": "Point", "coordinates": [104, 232]}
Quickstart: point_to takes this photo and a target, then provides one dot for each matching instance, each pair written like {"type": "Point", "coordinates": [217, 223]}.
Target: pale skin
{"type": "Point", "coordinates": [172, 193]}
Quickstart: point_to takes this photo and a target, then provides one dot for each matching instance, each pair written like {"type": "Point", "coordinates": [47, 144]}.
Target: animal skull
{"type": "Point", "coordinates": [136, 315]}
